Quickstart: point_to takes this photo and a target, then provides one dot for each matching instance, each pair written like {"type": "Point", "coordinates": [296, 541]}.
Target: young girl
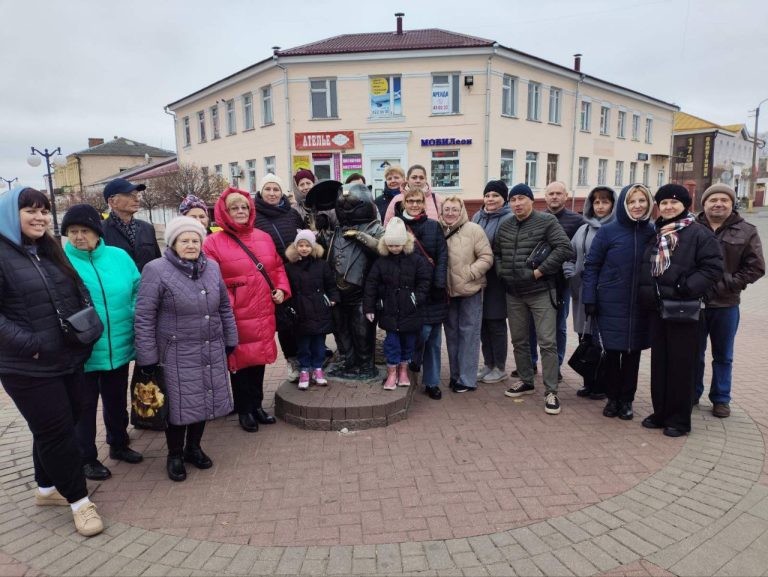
{"type": "Point", "coordinates": [397, 285]}
{"type": "Point", "coordinates": [314, 293]}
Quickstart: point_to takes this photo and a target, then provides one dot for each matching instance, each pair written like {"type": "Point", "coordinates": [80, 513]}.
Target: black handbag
{"type": "Point", "coordinates": [678, 310]}
{"type": "Point", "coordinates": [587, 359]}
{"type": "Point", "coordinates": [539, 254]}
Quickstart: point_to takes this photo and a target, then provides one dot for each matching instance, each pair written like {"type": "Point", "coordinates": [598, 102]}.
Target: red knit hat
{"type": "Point", "coordinates": [303, 173]}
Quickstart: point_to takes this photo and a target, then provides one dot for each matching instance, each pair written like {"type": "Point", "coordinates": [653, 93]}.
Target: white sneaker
{"type": "Point", "coordinates": [552, 404]}
{"type": "Point", "coordinates": [482, 371]}
{"type": "Point", "coordinates": [495, 376]}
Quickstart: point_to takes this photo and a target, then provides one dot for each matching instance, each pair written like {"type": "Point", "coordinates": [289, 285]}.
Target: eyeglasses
{"type": "Point", "coordinates": [451, 210]}
{"type": "Point", "coordinates": [414, 201]}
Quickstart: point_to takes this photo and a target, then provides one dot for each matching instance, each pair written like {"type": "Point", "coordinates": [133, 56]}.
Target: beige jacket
{"type": "Point", "coordinates": [469, 256]}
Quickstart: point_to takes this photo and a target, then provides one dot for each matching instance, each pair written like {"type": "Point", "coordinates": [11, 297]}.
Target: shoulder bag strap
{"type": "Point", "coordinates": [421, 247]}
{"type": "Point", "coordinates": [257, 262]}
{"type": "Point", "coordinates": [49, 291]}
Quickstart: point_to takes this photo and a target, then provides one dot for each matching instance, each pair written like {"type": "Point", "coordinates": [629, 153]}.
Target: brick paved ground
{"type": "Point", "coordinates": [475, 484]}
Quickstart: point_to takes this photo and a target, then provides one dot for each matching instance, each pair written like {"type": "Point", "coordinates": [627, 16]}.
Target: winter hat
{"type": "Point", "coordinates": [675, 191]}
{"type": "Point", "coordinates": [721, 188]}
{"type": "Point", "coordinates": [521, 189]}
{"type": "Point", "coordinates": [303, 173]}
{"type": "Point", "coordinates": [269, 177]}
{"type": "Point", "coordinates": [395, 232]}
{"type": "Point", "coordinates": [191, 201]}
{"type": "Point", "coordinates": [182, 224]}
{"type": "Point", "coordinates": [121, 186]}
{"type": "Point", "coordinates": [306, 235]}
{"type": "Point", "coordinates": [84, 215]}
{"type": "Point", "coordinates": [497, 186]}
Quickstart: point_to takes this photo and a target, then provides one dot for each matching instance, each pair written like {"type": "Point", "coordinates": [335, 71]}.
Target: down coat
{"type": "Point", "coordinates": [183, 323]}
{"type": "Point", "coordinates": [494, 296]}
{"type": "Point", "coordinates": [469, 256]}
{"type": "Point", "coordinates": [612, 274]}
{"type": "Point", "coordinates": [248, 291]}
{"type": "Point", "coordinates": [279, 221]}
{"type": "Point", "coordinates": [313, 288]}
{"type": "Point", "coordinates": [397, 288]}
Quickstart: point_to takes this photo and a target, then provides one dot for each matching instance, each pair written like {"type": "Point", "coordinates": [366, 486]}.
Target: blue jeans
{"type": "Point", "coordinates": [462, 337]}
{"type": "Point", "coordinates": [720, 325]}
{"type": "Point", "coordinates": [399, 347]}
{"type": "Point", "coordinates": [431, 336]}
{"type": "Point", "coordinates": [311, 351]}
{"type": "Point", "coordinates": [562, 330]}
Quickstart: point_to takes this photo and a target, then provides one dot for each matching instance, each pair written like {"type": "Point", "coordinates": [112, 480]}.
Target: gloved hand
{"type": "Point", "coordinates": [229, 350]}
{"type": "Point", "coordinates": [590, 309]}
{"type": "Point", "coordinates": [148, 370]}
{"type": "Point", "coordinates": [322, 222]}
{"type": "Point", "coordinates": [437, 295]}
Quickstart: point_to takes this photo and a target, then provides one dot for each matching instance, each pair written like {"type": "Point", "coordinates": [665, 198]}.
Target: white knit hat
{"type": "Point", "coordinates": [269, 177]}
{"type": "Point", "coordinates": [306, 235]}
{"type": "Point", "coordinates": [395, 232]}
{"type": "Point", "coordinates": [182, 224]}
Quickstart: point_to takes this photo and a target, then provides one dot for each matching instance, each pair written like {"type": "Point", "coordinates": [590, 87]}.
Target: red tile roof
{"type": "Point", "coordinates": [430, 38]}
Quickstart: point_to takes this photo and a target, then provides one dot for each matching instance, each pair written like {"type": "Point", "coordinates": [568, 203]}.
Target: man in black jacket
{"type": "Point", "coordinates": [134, 236]}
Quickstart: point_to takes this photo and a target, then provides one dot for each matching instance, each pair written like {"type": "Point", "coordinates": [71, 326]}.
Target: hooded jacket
{"type": "Point", "coordinates": [313, 289]}
{"type": "Point", "coordinates": [469, 256]}
{"type": "Point", "coordinates": [112, 278]}
{"type": "Point", "coordinates": [279, 221]}
{"type": "Point", "coordinates": [611, 276]}
{"type": "Point", "coordinates": [494, 296]}
{"type": "Point", "coordinates": [248, 291]}
{"type": "Point", "coordinates": [29, 324]}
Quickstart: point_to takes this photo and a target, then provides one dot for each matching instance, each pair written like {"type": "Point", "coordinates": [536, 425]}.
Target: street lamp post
{"type": "Point", "coordinates": [35, 161]}
{"type": "Point", "coordinates": [753, 180]}
{"type": "Point", "coordinates": [9, 182]}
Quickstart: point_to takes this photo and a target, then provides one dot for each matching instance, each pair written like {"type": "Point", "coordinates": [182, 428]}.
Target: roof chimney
{"type": "Point", "coordinates": [399, 16]}
{"type": "Point", "coordinates": [275, 50]}
{"type": "Point", "coordinates": [95, 142]}
{"type": "Point", "coordinates": [577, 62]}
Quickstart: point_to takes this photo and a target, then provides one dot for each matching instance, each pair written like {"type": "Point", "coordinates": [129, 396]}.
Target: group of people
{"type": "Point", "coordinates": [202, 313]}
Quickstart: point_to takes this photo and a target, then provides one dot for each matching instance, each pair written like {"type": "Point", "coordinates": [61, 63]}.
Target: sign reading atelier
{"type": "Point", "coordinates": [445, 141]}
{"type": "Point", "coordinates": [333, 140]}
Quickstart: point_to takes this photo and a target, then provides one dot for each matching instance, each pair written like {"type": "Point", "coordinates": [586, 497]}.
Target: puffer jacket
{"type": "Point", "coordinates": [112, 278]}
{"type": "Point", "coordinates": [248, 291]}
{"type": "Point", "coordinates": [279, 221]}
{"type": "Point", "coordinates": [29, 324]}
{"type": "Point", "coordinates": [743, 260]}
{"type": "Point", "coordinates": [514, 243]}
{"type": "Point", "coordinates": [494, 296]}
{"type": "Point", "coordinates": [397, 288]}
{"type": "Point", "coordinates": [382, 201]}
{"type": "Point", "coordinates": [313, 288]}
{"type": "Point", "coordinates": [469, 256]}
{"type": "Point", "coordinates": [183, 323]}
{"type": "Point", "coordinates": [145, 249]}
{"type": "Point", "coordinates": [611, 277]}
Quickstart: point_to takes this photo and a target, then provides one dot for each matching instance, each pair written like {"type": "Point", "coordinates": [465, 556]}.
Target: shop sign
{"type": "Point", "coordinates": [445, 141]}
{"type": "Point", "coordinates": [352, 162]}
{"type": "Point", "coordinates": [333, 140]}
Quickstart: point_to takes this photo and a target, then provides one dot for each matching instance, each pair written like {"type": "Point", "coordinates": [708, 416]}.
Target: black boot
{"type": "Point", "coordinates": [248, 423]}
{"type": "Point", "coordinates": [175, 467]}
{"type": "Point", "coordinates": [611, 408]}
{"type": "Point", "coordinates": [263, 417]}
{"type": "Point", "coordinates": [197, 457]}
{"type": "Point", "coordinates": [625, 410]}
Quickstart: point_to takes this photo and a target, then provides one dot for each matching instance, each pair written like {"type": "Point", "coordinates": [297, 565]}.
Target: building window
{"type": "Point", "coordinates": [269, 165]}
{"type": "Point", "coordinates": [385, 94]}
{"type": "Point", "coordinates": [632, 173]}
{"type": "Point", "coordinates": [445, 94]}
{"type": "Point", "coordinates": [551, 168]}
{"type": "Point", "coordinates": [635, 127]}
{"type": "Point", "coordinates": [234, 174]}
{"type": "Point", "coordinates": [586, 116]}
{"type": "Point", "coordinates": [619, 179]}
{"type": "Point", "coordinates": [646, 173]}
{"type": "Point", "coordinates": [231, 122]}
{"type": "Point", "coordinates": [621, 127]}
{"type": "Point", "coordinates": [583, 170]}
{"type": "Point", "coordinates": [250, 166]}
{"type": "Point", "coordinates": [215, 121]}
{"type": "Point", "coordinates": [507, 169]}
{"type": "Point", "coordinates": [531, 167]}
{"type": "Point", "coordinates": [323, 93]}
{"type": "Point", "coordinates": [204, 171]}
{"type": "Point", "coordinates": [201, 125]}
{"type": "Point", "coordinates": [187, 132]}
{"type": "Point", "coordinates": [247, 111]}
{"type": "Point", "coordinates": [555, 96]}
{"type": "Point", "coordinates": [266, 104]}
{"type": "Point", "coordinates": [509, 96]}
{"type": "Point", "coordinates": [217, 168]}
{"type": "Point", "coordinates": [605, 120]}
{"type": "Point", "coordinates": [534, 101]}
{"type": "Point", "coordinates": [649, 130]}
{"type": "Point", "coordinates": [660, 177]}
{"type": "Point", "coordinates": [445, 168]}
{"type": "Point", "coordinates": [602, 171]}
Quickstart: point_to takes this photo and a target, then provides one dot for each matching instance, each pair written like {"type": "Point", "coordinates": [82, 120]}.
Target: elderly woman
{"type": "Point", "coordinates": [470, 257]}
{"type": "Point", "coordinates": [196, 208]}
{"type": "Point", "coordinates": [253, 302]}
{"type": "Point", "coordinates": [184, 324]}
{"type": "Point", "coordinates": [39, 369]}
{"type": "Point", "coordinates": [416, 180]}
{"type": "Point", "coordinates": [430, 243]}
{"type": "Point", "coordinates": [112, 278]}
{"type": "Point", "coordinates": [682, 262]}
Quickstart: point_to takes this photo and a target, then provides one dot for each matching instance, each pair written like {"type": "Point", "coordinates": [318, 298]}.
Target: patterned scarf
{"type": "Point", "coordinates": [128, 229]}
{"type": "Point", "coordinates": [666, 243]}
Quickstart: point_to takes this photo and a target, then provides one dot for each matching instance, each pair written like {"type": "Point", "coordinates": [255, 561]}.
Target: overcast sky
{"type": "Point", "coordinates": [94, 68]}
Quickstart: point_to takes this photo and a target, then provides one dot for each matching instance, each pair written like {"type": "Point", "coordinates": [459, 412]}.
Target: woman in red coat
{"type": "Point", "coordinates": [252, 301]}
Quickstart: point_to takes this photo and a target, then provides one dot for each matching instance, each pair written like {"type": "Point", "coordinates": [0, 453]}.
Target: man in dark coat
{"type": "Point", "coordinates": [743, 264]}
{"type": "Point", "coordinates": [121, 229]}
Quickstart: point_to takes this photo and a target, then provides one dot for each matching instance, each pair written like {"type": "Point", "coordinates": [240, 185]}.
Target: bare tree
{"type": "Point", "coordinates": [189, 179]}
{"type": "Point", "coordinates": [92, 195]}
{"type": "Point", "coordinates": [151, 198]}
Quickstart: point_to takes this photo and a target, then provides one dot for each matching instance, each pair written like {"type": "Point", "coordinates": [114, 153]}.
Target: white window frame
{"type": "Point", "coordinates": [585, 122]}
{"type": "Point", "coordinates": [661, 176]}
{"type": "Point", "coordinates": [583, 177]}
{"type": "Point", "coordinates": [231, 117]}
{"type": "Point", "coordinates": [186, 131]}
{"type": "Point", "coordinates": [534, 101]}
{"type": "Point", "coordinates": [267, 116]}
{"type": "Point", "coordinates": [390, 78]}
{"type": "Point", "coordinates": [621, 124]}
{"type": "Point", "coordinates": [326, 87]}
{"type": "Point", "coordinates": [454, 92]}
{"type": "Point", "coordinates": [215, 127]}
{"type": "Point", "coordinates": [618, 179]}
{"type": "Point", "coordinates": [602, 171]}
{"type": "Point", "coordinates": [201, 125]}
{"type": "Point", "coordinates": [436, 171]}
{"type": "Point", "coordinates": [509, 95]}
{"type": "Point", "coordinates": [636, 127]}
{"type": "Point", "coordinates": [605, 120]}
{"type": "Point", "coordinates": [234, 174]}
{"type": "Point", "coordinates": [649, 130]}
{"type": "Point", "coordinates": [646, 174]}
{"type": "Point", "coordinates": [507, 166]}
{"type": "Point", "coordinates": [248, 111]}
{"type": "Point", "coordinates": [632, 173]}
{"type": "Point", "coordinates": [270, 165]}
{"type": "Point", "coordinates": [531, 168]}
{"type": "Point", "coordinates": [250, 168]}
{"type": "Point", "coordinates": [555, 99]}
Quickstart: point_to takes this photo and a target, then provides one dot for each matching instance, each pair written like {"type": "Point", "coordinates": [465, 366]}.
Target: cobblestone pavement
{"type": "Point", "coordinates": [476, 484]}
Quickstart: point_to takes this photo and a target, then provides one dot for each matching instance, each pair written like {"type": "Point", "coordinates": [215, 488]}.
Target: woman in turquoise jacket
{"type": "Point", "coordinates": [112, 278]}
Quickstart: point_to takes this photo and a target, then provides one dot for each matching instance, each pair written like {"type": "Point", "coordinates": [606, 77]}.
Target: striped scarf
{"type": "Point", "coordinates": [666, 243]}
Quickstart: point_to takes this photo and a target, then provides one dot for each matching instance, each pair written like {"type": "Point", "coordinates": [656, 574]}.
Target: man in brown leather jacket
{"type": "Point", "coordinates": [743, 264]}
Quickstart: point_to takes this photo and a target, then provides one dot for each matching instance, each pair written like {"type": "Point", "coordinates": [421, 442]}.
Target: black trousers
{"type": "Point", "coordinates": [174, 436]}
{"type": "Point", "coordinates": [112, 386]}
{"type": "Point", "coordinates": [620, 376]}
{"type": "Point", "coordinates": [50, 405]}
{"type": "Point", "coordinates": [674, 357]}
{"type": "Point", "coordinates": [248, 389]}
{"type": "Point", "coordinates": [287, 340]}
{"type": "Point", "coordinates": [493, 340]}
{"type": "Point", "coordinates": [354, 335]}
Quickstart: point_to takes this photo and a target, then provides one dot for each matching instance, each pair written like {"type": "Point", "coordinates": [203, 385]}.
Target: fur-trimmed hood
{"type": "Point", "coordinates": [292, 253]}
{"type": "Point", "coordinates": [407, 247]}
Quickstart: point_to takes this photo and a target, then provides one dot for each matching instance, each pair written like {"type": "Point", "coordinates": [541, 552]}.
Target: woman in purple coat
{"type": "Point", "coordinates": [184, 324]}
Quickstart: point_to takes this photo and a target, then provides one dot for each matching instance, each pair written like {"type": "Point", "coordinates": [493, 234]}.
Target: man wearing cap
{"type": "Point", "coordinates": [529, 251]}
{"type": "Point", "coordinates": [122, 230]}
{"type": "Point", "coordinates": [743, 265]}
